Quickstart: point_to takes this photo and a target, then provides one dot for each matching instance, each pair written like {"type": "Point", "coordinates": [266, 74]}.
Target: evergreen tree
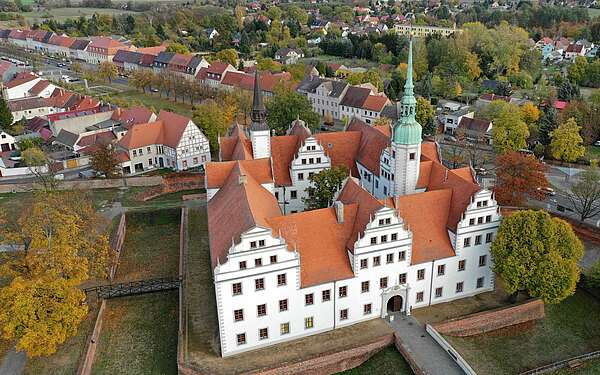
{"type": "Point", "coordinates": [6, 117]}
{"type": "Point", "coordinates": [548, 122]}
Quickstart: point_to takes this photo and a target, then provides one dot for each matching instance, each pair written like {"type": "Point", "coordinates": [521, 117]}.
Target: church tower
{"type": "Point", "coordinates": [260, 135]}
{"type": "Point", "coordinates": [406, 139]}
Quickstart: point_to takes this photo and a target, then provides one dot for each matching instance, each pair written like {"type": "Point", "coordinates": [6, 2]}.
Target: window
{"type": "Point", "coordinates": [381, 221]}
{"type": "Point", "coordinates": [243, 265]}
{"type": "Point", "coordinates": [421, 274]}
{"type": "Point", "coordinates": [488, 218]}
{"type": "Point", "coordinates": [376, 261]}
{"type": "Point", "coordinates": [420, 297]}
{"type": "Point", "coordinates": [383, 282]}
{"type": "Point", "coordinates": [384, 239]}
{"type": "Point", "coordinates": [343, 314]}
{"type": "Point", "coordinates": [471, 221]}
{"type": "Point", "coordinates": [480, 282]}
{"type": "Point", "coordinates": [253, 244]}
{"type": "Point", "coordinates": [318, 160]}
{"type": "Point", "coordinates": [311, 160]}
{"type": "Point", "coordinates": [402, 278]}
{"type": "Point", "coordinates": [283, 305]}
{"type": "Point", "coordinates": [482, 260]}
{"type": "Point", "coordinates": [134, 153]}
{"type": "Point", "coordinates": [441, 269]}
{"type": "Point", "coordinates": [148, 149]}
{"type": "Point", "coordinates": [367, 309]}
{"type": "Point", "coordinates": [489, 237]}
{"type": "Point", "coordinates": [401, 256]}
{"type": "Point", "coordinates": [308, 322]}
{"type": "Point", "coordinates": [263, 333]}
{"type": "Point", "coordinates": [241, 338]}
{"type": "Point", "coordinates": [388, 220]}
{"type": "Point", "coordinates": [309, 299]}
{"type": "Point", "coordinates": [394, 236]}
{"type": "Point", "coordinates": [273, 258]}
{"type": "Point", "coordinates": [150, 161]}
{"type": "Point", "coordinates": [343, 291]}
{"type": "Point", "coordinates": [237, 289]}
{"type": "Point", "coordinates": [284, 328]}
{"type": "Point", "coordinates": [461, 265]}
{"type": "Point", "coordinates": [326, 295]}
{"type": "Point", "coordinates": [438, 292]}
{"type": "Point", "coordinates": [389, 258]}
{"type": "Point", "coordinates": [261, 310]}
{"type": "Point", "coordinates": [459, 287]}
{"type": "Point", "coordinates": [467, 242]}
{"type": "Point", "coordinates": [411, 156]}
{"type": "Point", "coordinates": [281, 279]}
{"type": "Point", "coordinates": [293, 194]}
{"type": "Point", "coordinates": [300, 176]}
{"type": "Point", "coordinates": [478, 240]}
{"type": "Point", "coordinates": [259, 284]}
{"type": "Point", "coordinates": [364, 287]}
{"type": "Point", "coordinates": [238, 315]}
{"type": "Point", "coordinates": [373, 240]}
{"type": "Point", "coordinates": [480, 220]}
{"type": "Point", "coordinates": [261, 243]}
{"type": "Point", "coordinates": [363, 263]}
{"type": "Point", "coordinates": [303, 161]}
{"type": "Point", "coordinates": [258, 262]}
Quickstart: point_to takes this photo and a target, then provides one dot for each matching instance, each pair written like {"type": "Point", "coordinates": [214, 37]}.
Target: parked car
{"type": "Point", "coordinates": [153, 89]}
{"type": "Point", "coordinates": [597, 143]}
{"type": "Point", "coordinates": [547, 190]}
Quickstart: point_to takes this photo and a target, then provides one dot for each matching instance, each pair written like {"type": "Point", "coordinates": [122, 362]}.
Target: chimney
{"type": "Point", "coordinates": [339, 211]}
{"type": "Point", "coordinates": [242, 179]}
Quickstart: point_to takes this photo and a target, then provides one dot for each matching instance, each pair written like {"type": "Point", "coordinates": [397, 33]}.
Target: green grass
{"type": "Point", "coordinates": [154, 101]}
{"type": "Point", "coordinates": [66, 359]}
{"type": "Point", "coordinates": [151, 247]}
{"type": "Point", "coordinates": [387, 362]}
{"type": "Point", "coordinates": [593, 12]}
{"type": "Point", "coordinates": [139, 336]}
{"type": "Point", "coordinates": [569, 329]}
{"type": "Point", "coordinates": [593, 152]}
{"type": "Point", "coordinates": [61, 14]}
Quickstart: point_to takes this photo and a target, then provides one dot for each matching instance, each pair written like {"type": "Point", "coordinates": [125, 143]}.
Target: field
{"type": "Point", "coordinates": [154, 101]}
{"type": "Point", "coordinates": [387, 362]}
{"type": "Point", "coordinates": [570, 328]}
{"type": "Point", "coordinates": [61, 14]}
{"type": "Point", "coordinates": [593, 12]}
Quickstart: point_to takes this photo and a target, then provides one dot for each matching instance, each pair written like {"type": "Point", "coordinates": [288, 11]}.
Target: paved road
{"type": "Point", "coordinates": [428, 355]}
{"type": "Point", "coordinates": [13, 363]}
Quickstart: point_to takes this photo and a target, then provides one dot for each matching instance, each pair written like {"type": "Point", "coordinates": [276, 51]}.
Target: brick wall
{"type": "Point", "coordinates": [87, 184]}
{"type": "Point", "coordinates": [172, 184]}
{"type": "Point", "coordinates": [492, 320]}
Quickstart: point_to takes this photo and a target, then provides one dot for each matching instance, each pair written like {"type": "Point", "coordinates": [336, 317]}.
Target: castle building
{"type": "Point", "coordinates": [403, 232]}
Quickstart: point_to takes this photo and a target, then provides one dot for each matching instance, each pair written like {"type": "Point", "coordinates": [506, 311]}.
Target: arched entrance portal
{"type": "Point", "coordinates": [394, 304]}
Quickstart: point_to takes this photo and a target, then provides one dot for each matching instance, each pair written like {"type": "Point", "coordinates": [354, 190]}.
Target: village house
{"type": "Point", "coordinates": [363, 102]}
{"type": "Point", "coordinates": [103, 49]}
{"type": "Point", "coordinates": [289, 55]}
{"type": "Point", "coordinates": [325, 95]}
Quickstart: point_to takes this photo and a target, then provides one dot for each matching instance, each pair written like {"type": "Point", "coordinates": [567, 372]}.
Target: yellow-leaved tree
{"type": "Point", "coordinates": [566, 143]}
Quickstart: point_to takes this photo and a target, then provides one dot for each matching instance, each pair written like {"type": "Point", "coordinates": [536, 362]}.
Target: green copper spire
{"type": "Point", "coordinates": [407, 130]}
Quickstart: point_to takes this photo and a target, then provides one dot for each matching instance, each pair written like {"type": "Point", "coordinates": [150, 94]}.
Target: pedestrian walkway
{"type": "Point", "coordinates": [426, 353]}
{"type": "Point", "coordinates": [13, 363]}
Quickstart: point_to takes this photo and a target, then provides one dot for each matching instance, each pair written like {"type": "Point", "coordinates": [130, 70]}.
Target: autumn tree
{"type": "Point", "coordinates": [39, 165]}
{"type": "Point", "coordinates": [104, 160]}
{"type": "Point", "coordinates": [510, 132]}
{"type": "Point", "coordinates": [584, 195]}
{"type": "Point", "coordinates": [214, 120]}
{"type": "Point", "coordinates": [324, 185]}
{"type": "Point", "coordinates": [537, 254]}
{"type": "Point", "coordinates": [107, 70]}
{"type": "Point", "coordinates": [547, 123]}
{"type": "Point", "coordinates": [285, 106]}
{"type": "Point", "coordinates": [177, 48]}
{"type": "Point", "coordinates": [40, 314]}
{"type": "Point", "coordinates": [518, 178]}
{"type": "Point", "coordinates": [228, 55]}
{"type": "Point", "coordinates": [141, 79]}
{"type": "Point", "coordinates": [566, 143]}
{"type": "Point", "coordinates": [425, 116]}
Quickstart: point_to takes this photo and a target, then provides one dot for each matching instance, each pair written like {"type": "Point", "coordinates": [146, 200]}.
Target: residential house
{"type": "Point", "coordinates": [213, 75]}
{"type": "Point", "coordinates": [475, 130]}
{"type": "Point", "coordinates": [452, 114]}
{"type": "Point", "coordinates": [325, 95]}
{"type": "Point", "coordinates": [7, 142]}
{"type": "Point", "coordinates": [363, 102]}
{"type": "Point", "coordinates": [289, 55]}
{"type": "Point", "coordinates": [7, 71]}
{"type": "Point", "coordinates": [19, 86]}
{"type": "Point", "coordinates": [103, 49]}
{"type": "Point", "coordinates": [422, 31]}
{"type": "Point", "coordinates": [574, 50]}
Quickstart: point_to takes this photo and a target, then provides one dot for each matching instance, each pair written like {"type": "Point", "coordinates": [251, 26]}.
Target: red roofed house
{"type": "Point", "coordinates": [7, 71]}
{"type": "Point", "coordinates": [104, 49]}
{"type": "Point", "coordinates": [363, 102]}
{"type": "Point", "coordinates": [60, 45]}
{"type": "Point", "coordinates": [214, 74]}
{"type": "Point", "coordinates": [172, 141]}
{"type": "Point", "coordinates": [574, 50]}
{"type": "Point", "coordinates": [19, 86]}
{"type": "Point", "coordinates": [404, 232]}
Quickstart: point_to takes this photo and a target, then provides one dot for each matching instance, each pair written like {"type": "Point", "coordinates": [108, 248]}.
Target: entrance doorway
{"type": "Point", "coordinates": [394, 304]}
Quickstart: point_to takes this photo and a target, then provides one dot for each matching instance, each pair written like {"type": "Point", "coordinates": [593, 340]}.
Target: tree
{"type": "Point", "coordinates": [425, 116]}
{"type": "Point", "coordinates": [584, 196]}
{"type": "Point", "coordinates": [568, 90]}
{"type": "Point", "coordinates": [509, 132]}
{"type": "Point", "coordinates": [592, 276]}
{"type": "Point", "coordinates": [38, 163]}
{"type": "Point", "coordinates": [40, 314]}
{"type": "Point", "coordinates": [518, 177]}
{"type": "Point", "coordinates": [503, 88]}
{"type": "Point", "coordinates": [228, 55]}
{"type": "Point", "coordinates": [6, 117]}
{"type": "Point", "coordinates": [141, 79]}
{"type": "Point", "coordinates": [108, 71]}
{"type": "Point", "coordinates": [324, 185]}
{"type": "Point", "coordinates": [576, 71]}
{"type": "Point", "coordinates": [177, 48]}
{"type": "Point", "coordinates": [537, 254]}
{"type": "Point", "coordinates": [548, 122]}
{"type": "Point", "coordinates": [566, 143]}
{"type": "Point", "coordinates": [214, 120]}
{"type": "Point", "coordinates": [104, 160]}
{"type": "Point", "coordinates": [530, 114]}
{"type": "Point", "coordinates": [287, 105]}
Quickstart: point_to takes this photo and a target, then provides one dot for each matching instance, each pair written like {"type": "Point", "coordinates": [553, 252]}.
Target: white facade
{"type": "Point", "coordinates": [7, 142]}
{"type": "Point", "coordinates": [193, 149]}
{"type": "Point", "coordinates": [405, 162]}
{"type": "Point", "coordinates": [22, 90]}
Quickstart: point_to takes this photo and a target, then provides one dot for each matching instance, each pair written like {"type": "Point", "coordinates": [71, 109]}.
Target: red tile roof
{"type": "Point", "coordinates": [167, 130]}
{"type": "Point", "coordinates": [133, 115]}
{"type": "Point", "coordinates": [152, 50]}
{"type": "Point", "coordinates": [218, 172]}
{"type": "Point", "coordinates": [39, 87]}
{"type": "Point", "coordinates": [217, 67]}
{"type": "Point", "coordinates": [373, 141]}
{"type": "Point", "coordinates": [283, 150]}
{"type": "Point", "coordinates": [375, 103]}
{"type": "Point", "coordinates": [20, 78]}
{"type": "Point", "coordinates": [106, 42]}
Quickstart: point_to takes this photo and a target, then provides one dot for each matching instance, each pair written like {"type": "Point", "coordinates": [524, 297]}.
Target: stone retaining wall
{"type": "Point", "coordinates": [87, 184]}
{"type": "Point", "coordinates": [492, 320]}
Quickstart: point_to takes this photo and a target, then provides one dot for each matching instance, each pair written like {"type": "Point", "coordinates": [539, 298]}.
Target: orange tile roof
{"type": "Point", "coordinates": [218, 172]}
{"type": "Point", "coordinates": [142, 135]}
{"type": "Point", "coordinates": [175, 125]}
{"type": "Point", "coordinates": [342, 148]}
{"type": "Point", "coordinates": [133, 115]}
{"type": "Point", "coordinates": [236, 146]}
{"type": "Point", "coordinates": [373, 141]}
{"type": "Point", "coordinates": [424, 174]}
{"type": "Point", "coordinates": [321, 242]}
{"type": "Point", "coordinates": [283, 150]}
{"type": "Point", "coordinates": [152, 50]}
{"type": "Point", "coordinates": [429, 151]}
{"type": "Point", "coordinates": [375, 103]}
{"type": "Point", "coordinates": [236, 208]}
{"type": "Point", "coordinates": [106, 42]}
{"type": "Point", "coordinates": [429, 231]}
{"type": "Point", "coordinates": [20, 79]}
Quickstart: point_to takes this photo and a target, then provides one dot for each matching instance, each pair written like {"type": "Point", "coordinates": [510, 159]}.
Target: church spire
{"type": "Point", "coordinates": [408, 85]}
{"type": "Point", "coordinates": [407, 130]}
{"type": "Point", "coordinates": [259, 113]}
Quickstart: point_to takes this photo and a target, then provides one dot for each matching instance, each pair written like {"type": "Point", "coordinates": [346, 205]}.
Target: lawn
{"type": "Point", "coordinates": [570, 328]}
{"type": "Point", "coordinates": [139, 336]}
{"type": "Point", "coordinates": [151, 247]}
{"type": "Point", "coordinates": [154, 101]}
{"type": "Point", "coordinates": [593, 12]}
{"type": "Point", "coordinates": [66, 359]}
{"type": "Point", "coordinates": [593, 152]}
{"type": "Point", "coordinates": [387, 362]}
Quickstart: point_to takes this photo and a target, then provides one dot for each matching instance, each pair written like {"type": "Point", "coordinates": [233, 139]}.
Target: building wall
{"type": "Point", "coordinates": [21, 91]}
{"type": "Point", "coordinates": [193, 149]}
{"type": "Point", "coordinates": [31, 113]}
